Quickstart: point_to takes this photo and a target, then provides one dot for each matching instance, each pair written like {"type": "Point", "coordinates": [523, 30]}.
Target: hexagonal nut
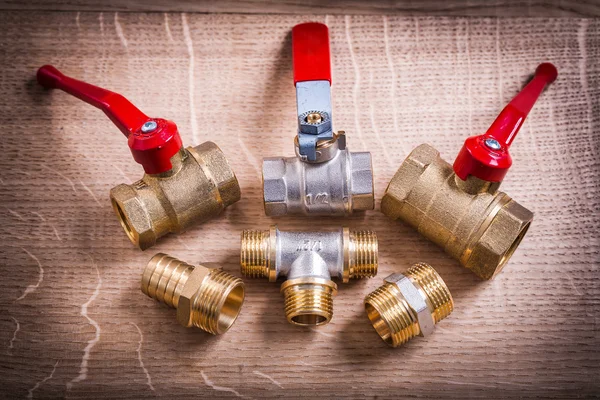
{"type": "Point", "coordinates": [314, 128]}
{"type": "Point", "coordinates": [500, 240]}
{"type": "Point", "coordinates": [190, 290]}
{"type": "Point", "coordinates": [274, 186]}
{"type": "Point", "coordinates": [415, 301]}
{"type": "Point", "coordinates": [361, 185]}
{"type": "Point", "coordinates": [406, 178]}
{"type": "Point", "coordinates": [132, 215]}
{"type": "Point", "coordinates": [213, 158]}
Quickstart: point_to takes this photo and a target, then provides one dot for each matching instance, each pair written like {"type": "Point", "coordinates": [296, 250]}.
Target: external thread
{"type": "Point", "coordinates": [390, 315]}
{"type": "Point", "coordinates": [209, 311]}
{"type": "Point", "coordinates": [164, 278]}
{"type": "Point", "coordinates": [363, 254]}
{"type": "Point", "coordinates": [434, 287]}
{"type": "Point", "coordinates": [217, 300]}
{"type": "Point", "coordinates": [254, 254]}
{"type": "Point", "coordinates": [309, 303]}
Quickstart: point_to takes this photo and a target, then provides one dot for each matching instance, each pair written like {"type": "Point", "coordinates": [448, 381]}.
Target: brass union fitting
{"type": "Point", "coordinates": [309, 261]}
{"type": "Point", "coordinates": [409, 304]}
{"type": "Point", "coordinates": [200, 185]}
{"type": "Point", "coordinates": [206, 298]}
{"type": "Point", "coordinates": [470, 219]}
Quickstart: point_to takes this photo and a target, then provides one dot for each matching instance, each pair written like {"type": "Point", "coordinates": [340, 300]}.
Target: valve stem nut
{"type": "Point", "coordinates": [207, 298]}
{"type": "Point", "coordinates": [409, 304]}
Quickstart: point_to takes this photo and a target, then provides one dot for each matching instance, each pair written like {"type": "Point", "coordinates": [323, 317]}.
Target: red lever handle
{"type": "Point", "coordinates": [152, 141]}
{"type": "Point", "coordinates": [310, 52]}
{"type": "Point", "coordinates": [486, 156]}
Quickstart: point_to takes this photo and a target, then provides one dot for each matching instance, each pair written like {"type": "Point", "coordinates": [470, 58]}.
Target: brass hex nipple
{"type": "Point", "coordinates": [309, 261]}
{"type": "Point", "coordinates": [409, 304]}
{"type": "Point", "coordinates": [206, 298]}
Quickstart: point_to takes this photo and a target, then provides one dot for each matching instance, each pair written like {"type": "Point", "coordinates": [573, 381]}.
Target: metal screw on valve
{"type": "Point", "coordinates": [149, 126]}
{"type": "Point", "coordinates": [492, 144]}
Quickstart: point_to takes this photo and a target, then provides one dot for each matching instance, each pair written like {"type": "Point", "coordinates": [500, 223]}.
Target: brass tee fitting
{"type": "Point", "coordinates": [409, 304]}
{"type": "Point", "coordinates": [200, 185]}
{"type": "Point", "coordinates": [206, 298]}
{"type": "Point", "coordinates": [309, 261]}
{"type": "Point", "coordinates": [459, 207]}
{"type": "Point", "coordinates": [181, 186]}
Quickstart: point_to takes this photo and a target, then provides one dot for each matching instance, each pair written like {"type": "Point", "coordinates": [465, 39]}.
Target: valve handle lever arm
{"type": "Point", "coordinates": [487, 156]}
{"type": "Point", "coordinates": [310, 52]}
{"type": "Point", "coordinates": [153, 148]}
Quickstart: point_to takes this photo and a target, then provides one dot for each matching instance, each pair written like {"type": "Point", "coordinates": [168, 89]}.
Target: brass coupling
{"type": "Point", "coordinates": [409, 304]}
{"type": "Point", "coordinates": [207, 298]}
{"type": "Point", "coordinates": [200, 185]}
{"type": "Point", "coordinates": [470, 219]}
{"type": "Point", "coordinates": [309, 261]}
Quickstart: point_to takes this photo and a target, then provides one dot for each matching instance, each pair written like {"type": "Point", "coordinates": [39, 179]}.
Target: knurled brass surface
{"type": "Point", "coordinates": [471, 220]}
{"type": "Point", "coordinates": [200, 185]}
{"type": "Point", "coordinates": [206, 298]}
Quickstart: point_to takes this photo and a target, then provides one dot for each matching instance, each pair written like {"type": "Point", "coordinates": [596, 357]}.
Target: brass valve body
{"type": "Point", "coordinates": [409, 304]}
{"type": "Point", "coordinates": [206, 298]}
{"type": "Point", "coordinates": [471, 220]}
{"type": "Point", "coordinates": [198, 187]}
{"type": "Point", "coordinates": [309, 261]}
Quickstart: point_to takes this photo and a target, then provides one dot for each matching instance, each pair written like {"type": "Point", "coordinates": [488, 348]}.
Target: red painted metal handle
{"type": "Point", "coordinates": [153, 149]}
{"type": "Point", "coordinates": [486, 156]}
{"type": "Point", "coordinates": [310, 52]}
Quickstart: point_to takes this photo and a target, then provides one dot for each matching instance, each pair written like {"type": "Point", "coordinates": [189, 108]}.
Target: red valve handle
{"type": "Point", "coordinates": [153, 148]}
{"type": "Point", "coordinates": [310, 52]}
{"type": "Point", "coordinates": [486, 156]}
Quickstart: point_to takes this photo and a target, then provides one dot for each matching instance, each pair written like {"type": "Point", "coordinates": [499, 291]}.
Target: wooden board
{"type": "Point", "coordinates": [73, 319]}
{"type": "Point", "coordinates": [504, 8]}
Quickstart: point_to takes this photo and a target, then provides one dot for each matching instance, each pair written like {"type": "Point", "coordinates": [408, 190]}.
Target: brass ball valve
{"type": "Point", "coordinates": [309, 261]}
{"type": "Point", "coordinates": [324, 178]}
{"type": "Point", "coordinates": [459, 207]}
{"type": "Point", "coordinates": [181, 186]}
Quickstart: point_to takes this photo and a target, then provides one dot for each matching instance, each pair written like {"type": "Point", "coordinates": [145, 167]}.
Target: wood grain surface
{"type": "Point", "coordinates": [73, 320]}
{"type": "Point", "coordinates": [505, 8]}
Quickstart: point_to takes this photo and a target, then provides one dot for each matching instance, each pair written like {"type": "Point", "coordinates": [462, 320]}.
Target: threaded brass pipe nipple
{"type": "Point", "coordinates": [409, 304]}
{"type": "Point", "coordinates": [207, 298]}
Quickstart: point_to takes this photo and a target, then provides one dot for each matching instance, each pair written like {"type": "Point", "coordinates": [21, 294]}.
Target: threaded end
{"type": "Point", "coordinates": [218, 303]}
{"type": "Point", "coordinates": [363, 254]}
{"type": "Point", "coordinates": [438, 294]}
{"type": "Point", "coordinates": [390, 315]}
{"type": "Point", "coordinates": [308, 301]}
{"type": "Point", "coordinates": [255, 254]}
{"type": "Point", "coordinates": [164, 278]}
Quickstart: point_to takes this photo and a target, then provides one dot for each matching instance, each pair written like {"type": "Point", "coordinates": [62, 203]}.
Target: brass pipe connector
{"type": "Point", "coordinates": [200, 185]}
{"type": "Point", "coordinates": [309, 261]}
{"type": "Point", "coordinates": [409, 304]}
{"type": "Point", "coordinates": [470, 219]}
{"type": "Point", "coordinates": [207, 298]}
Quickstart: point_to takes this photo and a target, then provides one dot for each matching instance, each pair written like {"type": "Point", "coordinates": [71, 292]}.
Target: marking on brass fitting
{"type": "Point", "coordinates": [319, 198]}
{"type": "Point", "coordinates": [310, 245]}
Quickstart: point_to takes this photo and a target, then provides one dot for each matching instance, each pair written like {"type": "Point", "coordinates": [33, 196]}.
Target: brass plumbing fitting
{"type": "Point", "coordinates": [325, 177]}
{"type": "Point", "coordinates": [459, 207]}
{"type": "Point", "coordinates": [409, 304]}
{"type": "Point", "coordinates": [206, 298]}
{"type": "Point", "coordinates": [181, 186]}
{"type": "Point", "coordinates": [309, 261]}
